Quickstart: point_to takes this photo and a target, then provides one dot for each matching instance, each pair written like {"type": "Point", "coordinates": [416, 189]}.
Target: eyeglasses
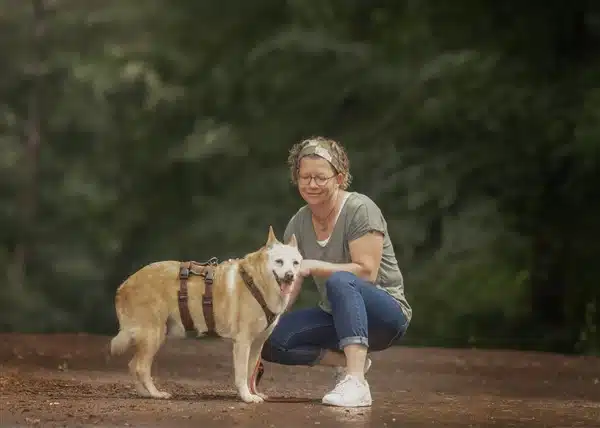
{"type": "Point", "coordinates": [319, 180]}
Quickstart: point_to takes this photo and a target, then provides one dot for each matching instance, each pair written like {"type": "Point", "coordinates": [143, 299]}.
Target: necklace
{"type": "Point", "coordinates": [324, 223]}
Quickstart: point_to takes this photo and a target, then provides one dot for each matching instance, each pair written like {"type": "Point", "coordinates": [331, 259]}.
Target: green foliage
{"type": "Point", "coordinates": [165, 128]}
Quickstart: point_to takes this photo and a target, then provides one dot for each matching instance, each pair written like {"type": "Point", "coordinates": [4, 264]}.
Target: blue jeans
{"type": "Point", "coordinates": [360, 313]}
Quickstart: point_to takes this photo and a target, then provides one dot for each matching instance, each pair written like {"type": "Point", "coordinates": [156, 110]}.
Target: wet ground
{"type": "Point", "coordinates": [65, 380]}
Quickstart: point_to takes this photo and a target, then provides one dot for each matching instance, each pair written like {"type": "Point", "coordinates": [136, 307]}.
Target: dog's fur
{"type": "Point", "coordinates": [147, 301]}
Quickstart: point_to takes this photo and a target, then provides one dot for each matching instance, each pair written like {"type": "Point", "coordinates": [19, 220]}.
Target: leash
{"type": "Point", "coordinates": [287, 400]}
{"type": "Point", "coordinates": [258, 373]}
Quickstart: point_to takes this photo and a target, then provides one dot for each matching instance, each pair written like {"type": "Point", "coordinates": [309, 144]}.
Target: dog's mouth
{"type": "Point", "coordinates": [285, 284]}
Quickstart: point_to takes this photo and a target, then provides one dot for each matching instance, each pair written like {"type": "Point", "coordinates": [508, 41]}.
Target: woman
{"type": "Point", "coordinates": [343, 238]}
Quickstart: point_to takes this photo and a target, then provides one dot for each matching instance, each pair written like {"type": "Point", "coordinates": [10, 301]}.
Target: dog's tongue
{"type": "Point", "coordinates": [286, 288]}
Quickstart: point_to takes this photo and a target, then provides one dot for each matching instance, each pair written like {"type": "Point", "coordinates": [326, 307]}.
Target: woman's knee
{"type": "Point", "coordinates": [299, 337]}
{"type": "Point", "coordinates": [275, 351]}
{"type": "Point", "coordinates": [340, 282]}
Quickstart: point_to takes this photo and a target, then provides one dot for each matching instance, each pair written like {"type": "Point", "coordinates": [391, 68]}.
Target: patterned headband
{"type": "Point", "coordinates": [317, 148]}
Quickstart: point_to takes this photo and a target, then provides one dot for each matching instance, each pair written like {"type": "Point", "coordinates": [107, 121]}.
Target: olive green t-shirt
{"type": "Point", "coordinates": [358, 216]}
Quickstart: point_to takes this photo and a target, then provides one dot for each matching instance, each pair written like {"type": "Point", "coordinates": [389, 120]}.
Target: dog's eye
{"type": "Point", "coordinates": [296, 262]}
{"type": "Point", "coordinates": [279, 262]}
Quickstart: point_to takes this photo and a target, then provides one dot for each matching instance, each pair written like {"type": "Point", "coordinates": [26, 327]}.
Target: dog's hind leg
{"type": "Point", "coordinates": [140, 366]}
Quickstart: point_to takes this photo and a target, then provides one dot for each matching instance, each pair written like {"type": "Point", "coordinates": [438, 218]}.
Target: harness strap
{"type": "Point", "coordinates": [205, 270]}
{"type": "Point", "coordinates": [182, 295]}
{"type": "Point", "coordinates": [257, 295]}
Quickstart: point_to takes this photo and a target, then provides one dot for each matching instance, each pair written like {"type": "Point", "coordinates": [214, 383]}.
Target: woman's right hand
{"type": "Point", "coordinates": [306, 267]}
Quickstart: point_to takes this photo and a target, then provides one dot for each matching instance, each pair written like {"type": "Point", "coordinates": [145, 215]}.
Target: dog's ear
{"type": "Point", "coordinates": [271, 239]}
{"type": "Point", "coordinates": [292, 242]}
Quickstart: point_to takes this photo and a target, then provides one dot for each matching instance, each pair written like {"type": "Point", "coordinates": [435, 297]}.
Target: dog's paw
{"type": "Point", "coordinates": [252, 398]}
{"type": "Point", "coordinates": [260, 394]}
{"type": "Point", "coordinates": [142, 392]}
{"type": "Point", "coordinates": [163, 395]}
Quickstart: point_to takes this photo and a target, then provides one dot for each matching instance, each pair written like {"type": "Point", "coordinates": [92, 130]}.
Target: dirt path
{"type": "Point", "coordinates": [65, 380]}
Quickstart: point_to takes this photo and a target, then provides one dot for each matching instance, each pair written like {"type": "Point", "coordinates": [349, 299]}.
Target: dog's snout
{"type": "Point", "coordinates": [289, 276]}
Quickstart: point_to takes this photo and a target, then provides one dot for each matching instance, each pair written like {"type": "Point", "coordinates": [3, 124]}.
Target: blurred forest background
{"type": "Point", "coordinates": [135, 131]}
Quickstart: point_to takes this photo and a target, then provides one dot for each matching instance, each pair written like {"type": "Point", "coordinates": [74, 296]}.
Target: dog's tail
{"type": "Point", "coordinates": [121, 342]}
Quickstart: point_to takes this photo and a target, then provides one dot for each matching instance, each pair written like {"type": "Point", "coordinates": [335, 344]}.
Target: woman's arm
{"type": "Point", "coordinates": [365, 253]}
{"type": "Point", "coordinates": [365, 235]}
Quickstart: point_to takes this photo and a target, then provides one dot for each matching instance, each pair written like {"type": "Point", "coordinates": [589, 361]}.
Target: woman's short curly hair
{"type": "Point", "coordinates": [336, 150]}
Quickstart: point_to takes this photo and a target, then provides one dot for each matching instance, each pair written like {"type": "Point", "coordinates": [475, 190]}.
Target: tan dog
{"type": "Point", "coordinates": [147, 302]}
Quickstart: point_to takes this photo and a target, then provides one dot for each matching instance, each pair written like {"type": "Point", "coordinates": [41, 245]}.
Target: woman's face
{"type": "Point", "coordinates": [317, 180]}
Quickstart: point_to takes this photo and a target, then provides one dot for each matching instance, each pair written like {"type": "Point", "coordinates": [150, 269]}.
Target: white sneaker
{"type": "Point", "coordinates": [349, 392]}
{"type": "Point", "coordinates": [340, 372]}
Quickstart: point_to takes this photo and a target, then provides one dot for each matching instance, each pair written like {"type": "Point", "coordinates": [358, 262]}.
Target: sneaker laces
{"type": "Point", "coordinates": [348, 381]}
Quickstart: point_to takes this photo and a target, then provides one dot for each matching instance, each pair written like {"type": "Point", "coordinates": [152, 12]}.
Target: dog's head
{"type": "Point", "coordinates": [283, 260]}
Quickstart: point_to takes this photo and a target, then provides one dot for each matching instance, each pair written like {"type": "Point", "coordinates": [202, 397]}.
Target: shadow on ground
{"type": "Point", "coordinates": [66, 380]}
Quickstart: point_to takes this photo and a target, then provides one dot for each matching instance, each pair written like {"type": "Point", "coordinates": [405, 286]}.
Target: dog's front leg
{"type": "Point", "coordinates": [255, 351]}
{"type": "Point", "coordinates": [241, 354]}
